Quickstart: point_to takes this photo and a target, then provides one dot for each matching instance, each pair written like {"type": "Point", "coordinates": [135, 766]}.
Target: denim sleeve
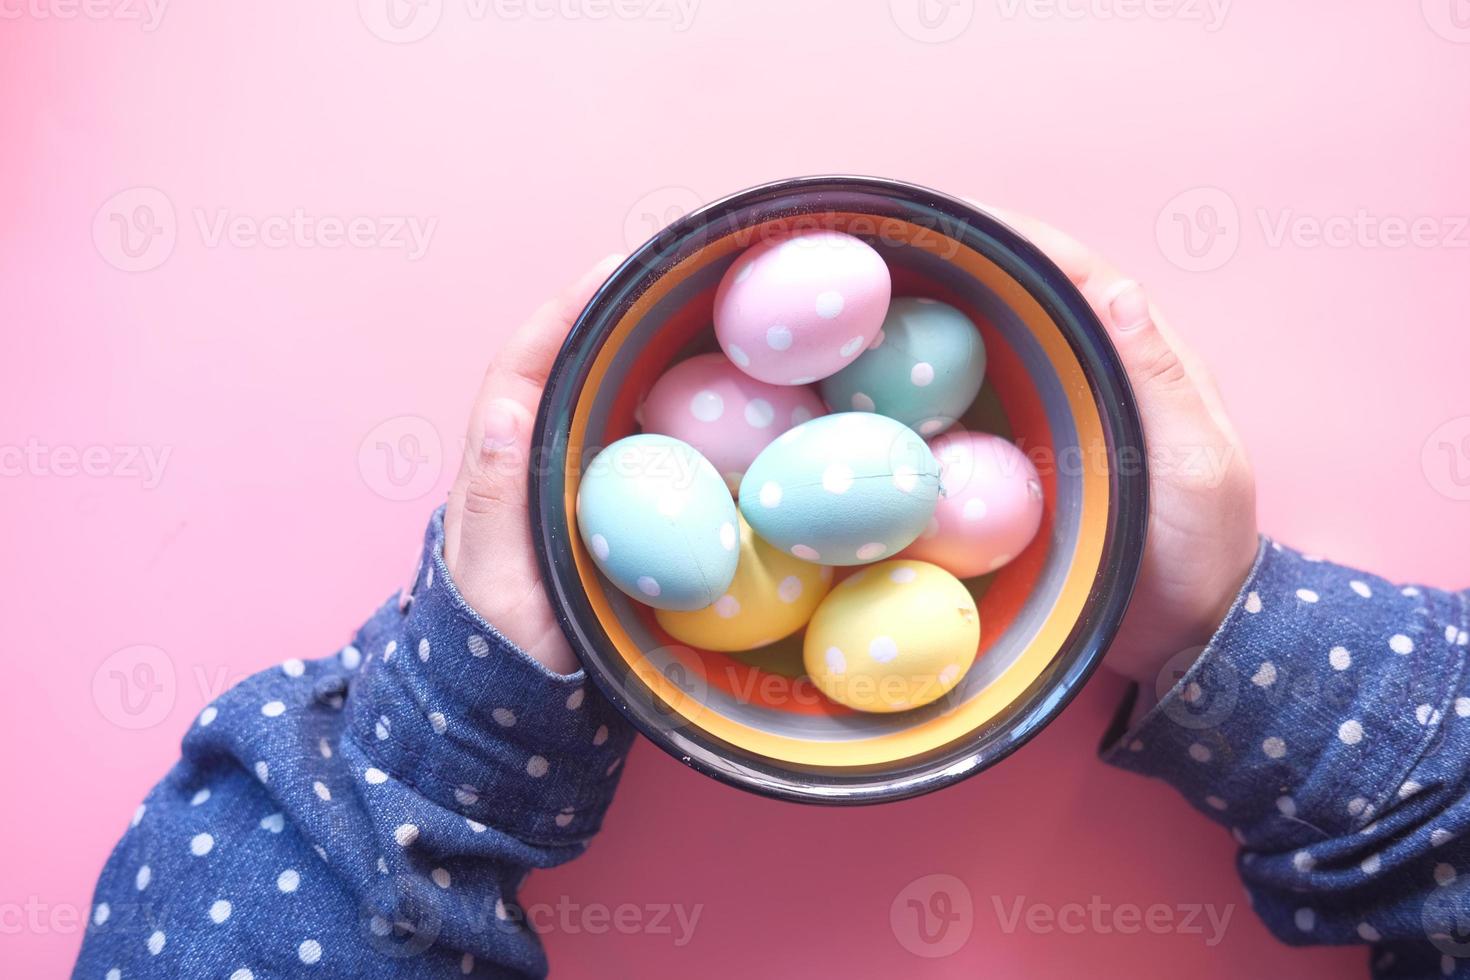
{"type": "Point", "coordinates": [1327, 724]}
{"type": "Point", "coordinates": [369, 814]}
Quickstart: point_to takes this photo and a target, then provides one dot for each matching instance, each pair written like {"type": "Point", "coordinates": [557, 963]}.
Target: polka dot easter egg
{"type": "Point", "coordinates": [925, 368]}
{"type": "Point", "coordinates": [842, 489]}
{"type": "Point", "coordinates": [773, 595]}
{"type": "Point", "coordinates": [894, 636]}
{"type": "Point", "coordinates": [659, 522]}
{"type": "Point", "coordinates": [795, 309]}
{"type": "Point", "coordinates": [723, 412]}
{"type": "Point", "coordinates": [991, 509]}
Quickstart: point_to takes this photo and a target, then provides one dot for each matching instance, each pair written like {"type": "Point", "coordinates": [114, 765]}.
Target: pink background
{"type": "Point", "coordinates": [541, 143]}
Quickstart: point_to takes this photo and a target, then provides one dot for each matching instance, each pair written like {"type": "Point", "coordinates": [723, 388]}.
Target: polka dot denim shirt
{"type": "Point", "coordinates": [1327, 725]}
{"type": "Point", "coordinates": [370, 814]}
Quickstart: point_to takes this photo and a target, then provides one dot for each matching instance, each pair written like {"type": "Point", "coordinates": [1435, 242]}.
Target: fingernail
{"type": "Point", "coordinates": [501, 425]}
{"type": "Point", "coordinates": [1128, 309]}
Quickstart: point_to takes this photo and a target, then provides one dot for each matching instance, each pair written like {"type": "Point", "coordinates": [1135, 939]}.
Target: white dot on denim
{"type": "Point", "coordinates": [574, 700]}
{"type": "Point", "coordinates": [440, 877]}
{"type": "Point", "coordinates": [1200, 753]}
{"type": "Point", "coordinates": [1400, 644]}
{"type": "Point", "coordinates": [1350, 732]}
{"type": "Point", "coordinates": [199, 798]}
{"type": "Point", "coordinates": [116, 974]}
{"type": "Point", "coordinates": [466, 795]}
{"type": "Point", "coordinates": [220, 911]}
{"type": "Point", "coordinates": [207, 716]}
{"type": "Point", "coordinates": [1361, 588]}
{"type": "Point", "coordinates": [1425, 714]}
{"type": "Point", "coordinates": [143, 877]}
{"type": "Point", "coordinates": [564, 818]}
{"type": "Point", "coordinates": [321, 791]}
{"type": "Point", "coordinates": [504, 717]}
{"type": "Point", "coordinates": [475, 825]}
{"type": "Point", "coordinates": [1307, 595]}
{"type": "Point", "coordinates": [424, 649]}
{"type": "Point", "coordinates": [1303, 861]}
{"type": "Point", "coordinates": [1439, 837]}
{"type": "Point", "coordinates": [1252, 603]}
{"type": "Point", "coordinates": [501, 912]}
{"type": "Point", "coordinates": [156, 942]}
{"type": "Point", "coordinates": [478, 645]}
{"type": "Point", "coordinates": [324, 747]}
{"type": "Point", "coordinates": [599, 736]}
{"type": "Point", "coordinates": [1444, 874]}
{"type": "Point", "coordinates": [273, 709]}
{"type": "Point", "coordinates": [273, 823]}
{"type": "Point", "coordinates": [1371, 864]}
{"type": "Point", "coordinates": [1265, 675]}
{"type": "Point", "coordinates": [374, 776]}
{"type": "Point", "coordinates": [389, 649]}
{"type": "Point", "coordinates": [1339, 658]}
{"type": "Point", "coordinates": [379, 926]}
{"type": "Point", "coordinates": [405, 834]}
{"type": "Point", "coordinates": [293, 668]}
{"type": "Point", "coordinates": [1274, 747]}
{"type": "Point", "coordinates": [201, 844]}
{"type": "Point", "coordinates": [1356, 806]}
{"type": "Point", "coordinates": [438, 722]}
{"type": "Point", "coordinates": [1215, 803]}
{"type": "Point", "coordinates": [1368, 933]}
{"type": "Point", "coordinates": [1409, 591]}
{"type": "Point", "coordinates": [101, 913]}
{"type": "Point", "coordinates": [383, 728]}
{"type": "Point", "coordinates": [138, 815]}
{"type": "Point", "coordinates": [1306, 919]}
{"type": "Point", "coordinates": [310, 951]}
{"type": "Point", "coordinates": [351, 657]}
{"type": "Point", "coordinates": [1409, 788]}
{"type": "Point", "coordinates": [467, 964]}
{"type": "Point", "coordinates": [536, 767]}
{"type": "Point", "coordinates": [1286, 805]}
{"type": "Point", "coordinates": [242, 974]}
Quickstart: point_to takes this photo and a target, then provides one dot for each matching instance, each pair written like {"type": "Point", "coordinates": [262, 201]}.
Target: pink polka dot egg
{"type": "Point", "coordinates": [798, 308]}
{"type": "Point", "coordinates": [723, 412]}
{"type": "Point", "coordinates": [991, 508]}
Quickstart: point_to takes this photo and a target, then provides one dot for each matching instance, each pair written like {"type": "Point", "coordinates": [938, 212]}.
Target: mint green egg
{"type": "Point", "coordinates": [924, 369]}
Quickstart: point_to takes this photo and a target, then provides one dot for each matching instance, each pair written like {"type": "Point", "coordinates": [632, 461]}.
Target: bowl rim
{"type": "Point", "coordinates": [1112, 586]}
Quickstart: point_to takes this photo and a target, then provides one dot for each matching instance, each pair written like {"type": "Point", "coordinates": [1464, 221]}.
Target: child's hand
{"type": "Point", "coordinates": [487, 528]}
{"type": "Point", "coordinates": [1202, 535]}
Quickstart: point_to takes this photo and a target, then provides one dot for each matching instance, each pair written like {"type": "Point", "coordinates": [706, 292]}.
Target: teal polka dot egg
{"type": "Point", "coordinates": [924, 368]}
{"type": "Point", "coordinates": [842, 489]}
{"type": "Point", "coordinates": [659, 522]}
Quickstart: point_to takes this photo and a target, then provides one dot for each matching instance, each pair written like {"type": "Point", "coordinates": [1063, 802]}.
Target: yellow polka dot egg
{"type": "Point", "coordinates": [894, 636]}
{"type": "Point", "coordinates": [772, 596]}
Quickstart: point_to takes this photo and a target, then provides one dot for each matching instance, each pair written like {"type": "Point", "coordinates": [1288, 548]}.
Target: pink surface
{"type": "Point", "coordinates": [225, 457]}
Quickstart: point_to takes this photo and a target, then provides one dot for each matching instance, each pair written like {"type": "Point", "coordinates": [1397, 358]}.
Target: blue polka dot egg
{"type": "Point", "coordinates": [924, 368]}
{"type": "Point", "coordinates": [659, 522]}
{"type": "Point", "coordinates": [842, 489]}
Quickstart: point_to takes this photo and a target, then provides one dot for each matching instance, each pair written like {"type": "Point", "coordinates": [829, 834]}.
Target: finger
{"type": "Point", "coordinates": [487, 509]}
{"type": "Point", "coordinates": [1161, 381]}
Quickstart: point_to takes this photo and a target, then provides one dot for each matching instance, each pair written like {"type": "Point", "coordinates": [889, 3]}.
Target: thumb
{"type": "Point", "coordinates": [488, 544]}
{"type": "Point", "coordinates": [1161, 380]}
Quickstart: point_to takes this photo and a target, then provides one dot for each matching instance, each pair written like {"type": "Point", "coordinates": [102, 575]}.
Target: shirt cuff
{"type": "Point", "coordinates": [449, 706]}
{"type": "Point", "coordinates": [1315, 698]}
